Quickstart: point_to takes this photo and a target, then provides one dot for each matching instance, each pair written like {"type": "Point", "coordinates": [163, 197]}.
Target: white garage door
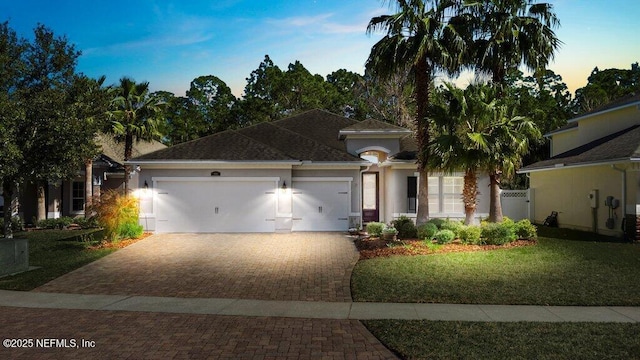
{"type": "Point", "coordinates": [204, 205]}
{"type": "Point", "coordinates": [320, 205]}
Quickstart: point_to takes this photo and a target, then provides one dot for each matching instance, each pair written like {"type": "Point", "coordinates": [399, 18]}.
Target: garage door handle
{"type": "Point", "coordinates": [297, 218]}
{"type": "Point", "coordinates": [320, 209]}
{"type": "Point", "coordinates": [343, 192]}
{"type": "Point", "coordinates": [343, 218]}
{"type": "Point", "coordinates": [216, 209]}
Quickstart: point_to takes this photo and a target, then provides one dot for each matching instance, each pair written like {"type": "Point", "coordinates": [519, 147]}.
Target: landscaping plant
{"type": "Point", "coordinates": [498, 233]}
{"type": "Point", "coordinates": [118, 214]}
{"type": "Point", "coordinates": [427, 231]}
{"type": "Point", "coordinates": [524, 229]}
{"type": "Point", "coordinates": [470, 235]}
{"type": "Point", "coordinates": [444, 236]}
{"type": "Point", "coordinates": [452, 225]}
{"type": "Point", "coordinates": [375, 228]}
{"type": "Point", "coordinates": [406, 228]}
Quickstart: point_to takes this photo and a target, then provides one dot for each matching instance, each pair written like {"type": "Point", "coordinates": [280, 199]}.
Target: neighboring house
{"type": "Point", "coordinates": [315, 171]}
{"type": "Point", "coordinates": [68, 197]}
{"type": "Point", "coordinates": [592, 177]}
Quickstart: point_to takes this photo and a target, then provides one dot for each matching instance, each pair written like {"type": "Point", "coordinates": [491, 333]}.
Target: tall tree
{"type": "Point", "coordinates": [510, 33]}
{"type": "Point", "coordinates": [605, 86]}
{"type": "Point", "coordinates": [259, 103]}
{"type": "Point", "coordinates": [51, 137]}
{"type": "Point", "coordinates": [213, 100]}
{"type": "Point", "coordinates": [11, 68]}
{"type": "Point", "coordinates": [421, 38]}
{"type": "Point", "coordinates": [134, 117]}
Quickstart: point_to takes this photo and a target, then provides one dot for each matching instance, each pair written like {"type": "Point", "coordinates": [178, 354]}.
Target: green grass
{"type": "Point", "coordinates": [55, 252]}
{"type": "Point", "coordinates": [420, 339]}
{"type": "Point", "coordinates": [553, 272]}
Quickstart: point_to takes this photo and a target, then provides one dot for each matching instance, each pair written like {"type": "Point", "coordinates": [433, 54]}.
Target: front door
{"type": "Point", "coordinates": [370, 201]}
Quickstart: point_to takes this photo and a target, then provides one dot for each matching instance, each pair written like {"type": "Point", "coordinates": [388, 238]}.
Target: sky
{"type": "Point", "coordinates": [170, 43]}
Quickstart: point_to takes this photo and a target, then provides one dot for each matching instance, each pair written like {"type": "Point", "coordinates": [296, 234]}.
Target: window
{"type": "Point", "coordinates": [412, 194]}
{"type": "Point", "coordinates": [452, 194]}
{"type": "Point", "coordinates": [77, 196]}
{"type": "Point", "coordinates": [434, 194]}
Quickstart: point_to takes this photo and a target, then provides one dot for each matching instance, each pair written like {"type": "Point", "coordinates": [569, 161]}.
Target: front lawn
{"type": "Point", "coordinates": [553, 272]}
{"type": "Point", "coordinates": [419, 339]}
{"type": "Point", "coordinates": [55, 252]}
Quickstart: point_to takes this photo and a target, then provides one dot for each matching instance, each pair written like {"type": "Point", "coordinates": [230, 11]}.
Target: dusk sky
{"type": "Point", "coordinates": [169, 43]}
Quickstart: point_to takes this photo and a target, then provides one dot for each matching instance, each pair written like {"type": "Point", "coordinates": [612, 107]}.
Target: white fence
{"type": "Point", "coordinates": [517, 204]}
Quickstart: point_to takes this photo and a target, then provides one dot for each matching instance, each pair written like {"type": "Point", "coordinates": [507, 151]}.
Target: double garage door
{"type": "Point", "coordinates": [221, 205]}
{"type": "Point", "coordinates": [204, 205]}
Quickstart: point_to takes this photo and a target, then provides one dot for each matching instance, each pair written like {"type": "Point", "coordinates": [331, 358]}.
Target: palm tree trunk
{"type": "Point", "coordinates": [7, 193]}
{"type": "Point", "coordinates": [42, 206]}
{"type": "Point", "coordinates": [88, 187]}
{"type": "Point", "coordinates": [423, 83]}
{"type": "Point", "coordinates": [495, 207]}
{"type": "Point", "coordinates": [470, 196]}
{"type": "Point", "coordinates": [128, 150]}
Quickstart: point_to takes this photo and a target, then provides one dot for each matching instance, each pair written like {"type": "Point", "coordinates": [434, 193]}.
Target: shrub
{"type": "Point", "coordinates": [524, 229]}
{"type": "Point", "coordinates": [375, 228]}
{"type": "Point", "coordinates": [87, 223]}
{"type": "Point", "coordinates": [498, 233]}
{"type": "Point", "coordinates": [59, 223]}
{"type": "Point", "coordinates": [130, 231]}
{"type": "Point", "coordinates": [406, 228]}
{"type": "Point", "coordinates": [389, 230]}
{"type": "Point", "coordinates": [427, 231]}
{"type": "Point", "coordinates": [452, 225]}
{"type": "Point", "coordinates": [117, 214]}
{"type": "Point", "coordinates": [16, 224]}
{"type": "Point", "coordinates": [470, 234]}
{"type": "Point", "coordinates": [444, 236]}
{"type": "Point", "coordinates": [437, 222]}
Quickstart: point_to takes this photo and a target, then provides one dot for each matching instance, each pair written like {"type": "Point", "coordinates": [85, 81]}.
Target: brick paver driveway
{"type": "Point", "coordinates": [297, 266]}
{"type": "Point", "coordinates": [302, 266]}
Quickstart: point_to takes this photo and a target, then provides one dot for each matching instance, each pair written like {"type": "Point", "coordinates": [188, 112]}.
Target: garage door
{"type": "Point", "coordinates": [205, 205]}
{"type": "Point", "coordinates": [320, 205]}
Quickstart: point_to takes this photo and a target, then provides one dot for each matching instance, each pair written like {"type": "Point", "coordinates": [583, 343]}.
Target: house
{"type": "Point", "coordinates": [592, 176]}
{"type": "Point", "coordinates": [315, 171]}
{"type": "Point", "coordinates": [68, 197]}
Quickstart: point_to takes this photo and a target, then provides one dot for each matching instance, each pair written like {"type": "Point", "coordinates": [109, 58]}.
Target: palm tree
{"type": "Point", "coordinates": [133, 112]}
{"type": "Point", "coordinates": [511, 33]}
{"type": "Point", "coordinates": [418, 38]}
{"type": "Point", "coordinates": [460, 117]}
{"type": "Point", "coordinates": [478, 132]}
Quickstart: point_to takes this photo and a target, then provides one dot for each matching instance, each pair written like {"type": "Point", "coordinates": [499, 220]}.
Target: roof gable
{"type": "Point", "coordinates": [294, 145]}
{"type": "Point", "coordinates": [623, 145]}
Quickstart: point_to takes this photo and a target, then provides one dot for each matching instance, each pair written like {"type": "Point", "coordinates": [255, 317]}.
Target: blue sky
{"type": "Point", "coordinates": [169, 43]}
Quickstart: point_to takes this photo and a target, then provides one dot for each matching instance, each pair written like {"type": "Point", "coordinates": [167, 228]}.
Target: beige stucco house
{"type": "Point", "coordinates": [315, 171]}
{"type": "Point", "coordinates": [593, 174]}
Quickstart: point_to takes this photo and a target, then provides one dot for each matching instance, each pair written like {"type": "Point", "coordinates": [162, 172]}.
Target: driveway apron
{"type": "Point", "coordinates": [296, 266]}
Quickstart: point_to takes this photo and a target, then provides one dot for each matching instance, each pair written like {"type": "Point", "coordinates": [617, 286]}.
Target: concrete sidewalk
{"type": "Point", "coordinates": [321, 310]}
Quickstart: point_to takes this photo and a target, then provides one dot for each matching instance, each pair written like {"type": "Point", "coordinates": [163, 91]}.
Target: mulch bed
{"type": "Point", "coordinates": [375, 247]}
{"type": "Point", "coordinates": [119, 244]}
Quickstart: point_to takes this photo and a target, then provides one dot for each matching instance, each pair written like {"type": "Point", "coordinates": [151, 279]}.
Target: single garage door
{"type": "Point", "coordinates": [320, 204]}
{"type": "Point", "coordinates": [204, 205]}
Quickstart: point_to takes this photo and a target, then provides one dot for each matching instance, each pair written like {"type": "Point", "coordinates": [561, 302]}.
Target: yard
{"type": "Point", "coordinates": [54, 253]}
{"type": "Point", "coordinates": [553, 272]}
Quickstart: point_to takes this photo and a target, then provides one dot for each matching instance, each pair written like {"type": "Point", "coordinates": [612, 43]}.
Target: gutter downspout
{"type": "Point", "coordinates": [624, 190]}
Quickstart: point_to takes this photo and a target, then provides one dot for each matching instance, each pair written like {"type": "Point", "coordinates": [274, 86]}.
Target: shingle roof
{"type": "Point", "coordinates": [622, 102]}
{"type": "Point", "coordinates": [318, 125]}
{"type": "Point", "coordinates": [114, 149]}
{"type": "Point", "coordinates": [569, 126]}
{"type": "Point", "coordinates": [622, 145]}
{"type": "Point", "coordinates": [224, 146]}
{"type": "Point", "coordinates": [294, 145]}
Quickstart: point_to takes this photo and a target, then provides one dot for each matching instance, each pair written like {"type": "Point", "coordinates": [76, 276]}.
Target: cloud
{"type": "Point", "coordinates": [319, 24]}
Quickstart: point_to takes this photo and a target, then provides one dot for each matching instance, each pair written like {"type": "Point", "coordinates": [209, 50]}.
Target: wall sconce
{"type": "Point", "coordinates": [146, 185]}
{"type": "Point", "coordinates": [284, 185]}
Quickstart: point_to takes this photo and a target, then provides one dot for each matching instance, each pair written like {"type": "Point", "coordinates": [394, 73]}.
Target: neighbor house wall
{"type": "Point", "coordinates": [595, 127]}
{"type": "Point", "coordinates": [564, 141]}
{"type": "Point", "coordinates": [567, 192]}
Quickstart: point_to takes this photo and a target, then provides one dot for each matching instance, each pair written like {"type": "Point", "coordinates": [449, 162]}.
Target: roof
{"type": "Point", "coordinates": [621, 146]}
{"type": "Point", "coordinates": [626, 101]}
{"type": "Point", "coordinates": [114, 149]}
{"type": "Point", "coordinates": [309, 136]}
{"type": "Point", "coordinates": [568, 127]}
{"type": "Point", "coordinates": [223, 146]}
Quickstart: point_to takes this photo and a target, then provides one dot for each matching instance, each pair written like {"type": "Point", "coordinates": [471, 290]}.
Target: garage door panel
{"type": "Point", "coordinates": [320, 206]}
{"type": "Point", "coordinates": [215, 206]}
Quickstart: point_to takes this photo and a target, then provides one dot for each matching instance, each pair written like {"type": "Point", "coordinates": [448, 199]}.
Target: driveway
{"type": "Point", "coordinates": [295, 266]}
